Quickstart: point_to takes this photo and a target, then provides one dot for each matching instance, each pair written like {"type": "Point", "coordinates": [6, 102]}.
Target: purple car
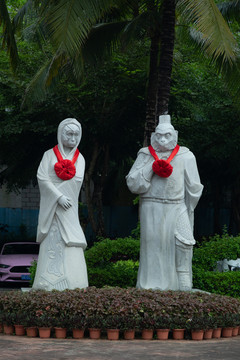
{"type": "Point", "coordinates": [15, 260]}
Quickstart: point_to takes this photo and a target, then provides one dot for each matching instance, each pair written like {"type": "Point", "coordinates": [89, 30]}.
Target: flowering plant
{"type": "Point", "coordinates": [146, 321]}
{"type": "Point", "coordinates": [162, 321]}
{"type": "Point", "coordinates": [77, 321]}
{"type": "Point", "coordinates": [178, 322]}
{"type": "Point", "coordinates": [44, 317]}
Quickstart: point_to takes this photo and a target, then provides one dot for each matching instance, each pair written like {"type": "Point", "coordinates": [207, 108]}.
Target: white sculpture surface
{"type": "Point", "coordinates": [61, 262]}
{"type": "Point", "coordinates": [166, 211]}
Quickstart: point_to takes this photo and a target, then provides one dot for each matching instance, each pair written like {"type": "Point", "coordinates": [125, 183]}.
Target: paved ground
{"type": "Point", "coordinates": [24, 348]}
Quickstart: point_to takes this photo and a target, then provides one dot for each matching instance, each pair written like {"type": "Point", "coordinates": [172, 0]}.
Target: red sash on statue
{"type": "Point", "coordinates": [162, 167]}
{"type": "Point", "coordinates": [64, 168]}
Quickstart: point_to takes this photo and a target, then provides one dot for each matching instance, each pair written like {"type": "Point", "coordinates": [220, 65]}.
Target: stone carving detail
{"type": "Point", "coordinates": [166, 210]}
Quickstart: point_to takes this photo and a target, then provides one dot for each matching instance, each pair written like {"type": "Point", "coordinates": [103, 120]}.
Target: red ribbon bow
{"type": "Point", "coordinates": [162, 167]}
{"type": "Point", "coordinates": [64, 168]}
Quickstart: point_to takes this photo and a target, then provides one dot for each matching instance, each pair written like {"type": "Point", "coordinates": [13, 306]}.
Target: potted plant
{"type": "Point", "coordinates": [8, 322]}
{"type": "Point", "coordinates": [95, 324]}
{"type": "Point", "coordinates": [236, 323]}
{"type": "Point", "coordinates": [178, 326]}
{"type": "Point", "coordinates": [60, 325]}
{"type": "Point", "coordinates": [227, 324]}
{"type": "Point", "coordinates": [162, 325]}
{"type": "Point", "coordinates": [77, 323]}
{"type": "Point", "coordinates": [147, 325]}
{"type": "Point", "coordinates": [112, 323]}
{"type": "Point", "coordinates": [44, 321]}
{"type": "Point", "coordinates": [197, 324]}
{"type": "Point", "coordinates": [129, 325]}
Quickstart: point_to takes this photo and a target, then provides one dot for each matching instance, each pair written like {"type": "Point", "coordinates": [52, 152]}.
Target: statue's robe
{"type": "Point", "coordinates": [166, 215]}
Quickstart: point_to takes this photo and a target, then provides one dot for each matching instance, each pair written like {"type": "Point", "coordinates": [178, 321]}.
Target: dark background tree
{"type": "Point", "coordinates": [110, 103]}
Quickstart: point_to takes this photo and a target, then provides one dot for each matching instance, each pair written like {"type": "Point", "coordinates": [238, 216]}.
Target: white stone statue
{"type": "Point", "coordinates": [169, 192]}
{"type": "Point", "coordinates": [61, 263]}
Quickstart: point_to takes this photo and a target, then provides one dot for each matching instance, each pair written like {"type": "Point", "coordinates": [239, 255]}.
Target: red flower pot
{"type": "Point", "coordinates": [208, 334]}
{"type": "Point", "coordinates": [32, 331]}
{"type": "Point", "coordinates": [60, 333]}
{"type": "Point", "coordinates": [227, 332]}
{"type": "Point", "coordinates": [162, 334]}
{"type": "Point", "coordinates": [8, 329]}
{"type": "Point", "coordinates": [178, 334]}
{"type": "Point", "coordinates": [129, 334]}
{"type": "Point", "coordinates": [94, 333]}
{"type": "Point", "coordinates": [216, 333]}
{"type": "Point", "coordinates": [113, 334]}
{"type": "Point", "coordinates": [197, 334]}
{"type": "Point", "coordinates": [78, 333]}
{"type": "Point", "coordinates": [44, 332]}
{"type": "Point", "coordinates": [19, 330]}
{"type": "Point", "coordinates": [235, 331]}
{"type": "Point", "coordinates": [147, 334]}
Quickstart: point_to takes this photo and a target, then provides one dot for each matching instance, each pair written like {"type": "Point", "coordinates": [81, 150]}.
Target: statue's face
{"type": "Point", "coordinates": [70, 135]}
{"type": "Point", "coordinates": [164, 139]}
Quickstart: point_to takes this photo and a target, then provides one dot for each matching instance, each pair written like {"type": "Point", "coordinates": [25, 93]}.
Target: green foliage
{"type": "Point", "coordinates": [113, 262]}
{"type": "Point", "coordinates": [32, 271]}
{"type": "Point", "coordinates": [205, 260]}
{"type": "Point", "coordinates": [226, 283]}
{"type": "Point", "coordinates": [217, 248]}
{"type": "Point", "coordinates": [128, 308]}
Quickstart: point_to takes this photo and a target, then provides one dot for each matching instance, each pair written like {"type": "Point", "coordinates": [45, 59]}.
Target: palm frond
{"type": "Point", "coordinates": [146, 22]}
{"type": "Point", "coordinates": [230, 9]}
{"type": "Point", "coordinates": [217, 39]}
{"type": "Point", "coordinates": [231, 76]}
{"type": "Point", "coordinates": [69, 22]}
{"type": "Point", "coordinates": [102, 40]}
{"type": "Point", "coordinates": [21, 14]}
{"type": "Point", "coordinates": [45, 79]}
{"type": "Point", "coordinates": [8, 39]}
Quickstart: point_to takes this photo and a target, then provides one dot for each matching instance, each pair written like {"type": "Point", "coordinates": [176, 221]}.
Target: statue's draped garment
{"type": "Point", "coordinates": [166, 215]}
{"type": "Point", "coordinates": [61, 262]}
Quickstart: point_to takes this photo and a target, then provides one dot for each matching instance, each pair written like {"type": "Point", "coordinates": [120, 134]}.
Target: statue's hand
{"type": "Point", "coordinates": [65, 202]}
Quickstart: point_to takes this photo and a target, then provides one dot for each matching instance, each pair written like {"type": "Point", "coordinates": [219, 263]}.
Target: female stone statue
{"type": "Point", "coordinates": [61, 263]}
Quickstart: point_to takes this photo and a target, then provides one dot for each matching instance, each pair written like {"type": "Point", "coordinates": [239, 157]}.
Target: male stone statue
{"type": "Point", "coordinates": [61, 262]}
{"type": "Point", "coordinates": [166, 177]}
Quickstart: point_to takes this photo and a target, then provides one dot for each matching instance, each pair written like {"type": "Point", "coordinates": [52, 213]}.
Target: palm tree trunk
{"type": "Point", "coordinates": [150, 123]}
{"type": "Point", "coordinates": [166, 56]}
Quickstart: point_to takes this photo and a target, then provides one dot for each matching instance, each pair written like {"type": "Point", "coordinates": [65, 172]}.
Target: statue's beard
{"type": "Point", "coordinates": [166, 147]}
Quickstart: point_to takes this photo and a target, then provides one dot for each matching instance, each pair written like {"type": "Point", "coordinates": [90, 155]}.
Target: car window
{"type": "Point", "coordinates": [20, 249]}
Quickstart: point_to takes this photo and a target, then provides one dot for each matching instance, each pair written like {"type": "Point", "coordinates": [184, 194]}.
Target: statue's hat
{"type": "Point", "coordinates": [164, 123]}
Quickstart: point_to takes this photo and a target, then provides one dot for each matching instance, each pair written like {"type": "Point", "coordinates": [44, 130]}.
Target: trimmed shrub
{"type": "Point", "coordinates": [226, 283]}
{"type": "Point", "coordinates": [141, 308]}
{"type": "Point", "coordinates": [205, 260]}
{"type": "Point", "coordinates": [113, 262]}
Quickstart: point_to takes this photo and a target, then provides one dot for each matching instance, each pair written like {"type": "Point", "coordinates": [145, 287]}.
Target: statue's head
{"type": "Point", "coordinates": [69, 134]}
{"type": "Point", "coordinates": [165, 136]}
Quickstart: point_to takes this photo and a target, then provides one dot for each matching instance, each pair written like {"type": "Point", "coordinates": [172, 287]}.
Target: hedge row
{"type": "Point", "coordinates": [115, 263]}
{"type": "Point", "coordinates": [119, 308]}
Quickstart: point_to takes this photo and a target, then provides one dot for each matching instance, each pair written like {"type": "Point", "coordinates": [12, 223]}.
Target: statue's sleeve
{"type": "Point", "coordinates": [49, 196]}
{"type": "Point", "coordinates": [139, 177]}
{"type": "Point", "coordinates": [193, 186]}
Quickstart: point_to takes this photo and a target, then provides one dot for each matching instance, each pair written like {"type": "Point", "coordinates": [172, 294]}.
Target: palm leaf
{"type": "Point", "coordinates": [21, 14]}
{"type": "Point", "coordinates": [8, 39]}
{"type": "Point", "coordinates": [230, 9]}
{"type": "Point", "coordinates": [217, 39]}
{"type": "Point", "coordinates": [45, 79]}
{"type": "Point", "coordinates": [69, 22]}
{"type": "Point", "coordinates": [102, 40]}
